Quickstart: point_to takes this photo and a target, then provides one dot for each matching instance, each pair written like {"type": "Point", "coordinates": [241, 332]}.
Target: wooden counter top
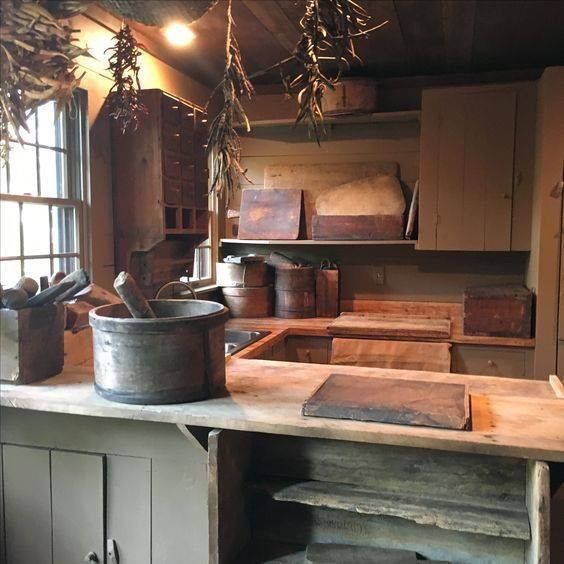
{"type": "Point", "coordinates": [317, 326]}
{"type": "Point", "coordinates": [520, 418]}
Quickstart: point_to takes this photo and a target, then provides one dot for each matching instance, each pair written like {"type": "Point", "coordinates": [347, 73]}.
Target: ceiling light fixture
{"type": "Point", "coordinates": [179, 34]}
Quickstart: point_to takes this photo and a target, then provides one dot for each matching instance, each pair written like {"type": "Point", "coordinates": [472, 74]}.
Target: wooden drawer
{"type": "Point", "coordinates": [492, 361]}
{"type": "Point", "coordinates": [171, 110]}
{"type": "Point", "coordinates": [171, 165]}
{"type": "Point", "coordinates": [171, 138]}
{"type": "Point", "coordinates": [171, 191]}
{"type": "Point", "coordinates": [308, 349]}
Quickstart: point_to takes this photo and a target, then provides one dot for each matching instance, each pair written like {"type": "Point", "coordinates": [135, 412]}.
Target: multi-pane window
{"type": "Point", "coordinates": [41, 195]}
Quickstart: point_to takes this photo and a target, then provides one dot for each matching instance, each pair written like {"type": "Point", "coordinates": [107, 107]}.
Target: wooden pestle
{"type": "Point", "coordinates": [79, 278]}
{"type": "Point", "coordinates": [132, 297]}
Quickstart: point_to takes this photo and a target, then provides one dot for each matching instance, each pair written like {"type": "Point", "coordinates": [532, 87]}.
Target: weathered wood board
{"type": "Point", "coordinates": [357, 227]}
{"type": "Point", "coordinates": [403, 355]}
{"type": "Point", "coordinates": [270, 214]}
{"type": "Point", "coordinates": [330, 553]}
{"type": "Point", "coordinates": [390, 325]}
{"type": "Point", "coordinates": [391, 400]}
{"type": "Point", "coordinates": [315, 178]}
{"type": "Point", "coordinates": [327, 292]}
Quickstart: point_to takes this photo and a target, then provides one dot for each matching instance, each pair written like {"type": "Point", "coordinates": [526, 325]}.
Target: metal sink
{"type": "Point", "coordinates": [236, 340]}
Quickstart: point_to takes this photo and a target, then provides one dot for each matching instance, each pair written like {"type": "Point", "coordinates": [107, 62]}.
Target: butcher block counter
{"type": "Point", "coordinates": [509, 417]}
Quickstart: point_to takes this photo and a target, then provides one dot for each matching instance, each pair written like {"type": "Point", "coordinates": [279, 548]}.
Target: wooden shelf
{"type": "Point", "coordinates": [378, 117]}
{"type": "Point", "coordinates": [311, 242]}
{"type": "Point", "coordinates": [504, 521]}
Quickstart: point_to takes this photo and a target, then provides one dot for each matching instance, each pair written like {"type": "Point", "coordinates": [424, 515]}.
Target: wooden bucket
{"type": "Point", "coordinates": [250, 275]}
{"type": "Point", "coordinates": [249, 302]}
{"type": "Point", "coordinates": [295, 292]}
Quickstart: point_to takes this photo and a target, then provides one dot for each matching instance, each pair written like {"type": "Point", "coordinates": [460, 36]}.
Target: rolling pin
{"type": "Point", "coordinates": [49, 295]}
{"type": "Point", "coordinates": [135, 301]}
{"type": "Point", "coordinates": [79, 278]}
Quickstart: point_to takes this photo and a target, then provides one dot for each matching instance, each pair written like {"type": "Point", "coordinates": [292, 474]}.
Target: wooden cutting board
{"type": "Point", "coordinates": [391, 400]}
{"type": "Point", "coordinates": [399, 355]}
{"type": "Point", "coordinates": [270, 214]}
{"type": "Point", "coordinates": [389, 325]}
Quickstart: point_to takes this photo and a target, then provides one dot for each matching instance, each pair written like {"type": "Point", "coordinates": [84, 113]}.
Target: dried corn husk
{"type": "Point", "coordinates": [37, 61]}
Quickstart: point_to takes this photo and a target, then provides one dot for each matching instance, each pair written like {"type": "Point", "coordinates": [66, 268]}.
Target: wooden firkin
{"type": "Point", "coordinates": [498, 311]}
{"type": "Point", "coordinates": [32, 343]}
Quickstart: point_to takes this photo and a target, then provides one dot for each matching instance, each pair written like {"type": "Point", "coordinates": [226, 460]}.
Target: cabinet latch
{"type": "Point", "coordinates": [112, 555]}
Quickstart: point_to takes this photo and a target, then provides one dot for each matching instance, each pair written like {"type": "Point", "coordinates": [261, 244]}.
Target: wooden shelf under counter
{"type": "Point", "coordinates": [314, 242]}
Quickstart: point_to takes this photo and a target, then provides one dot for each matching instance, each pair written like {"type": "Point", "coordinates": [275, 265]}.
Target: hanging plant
{"type": "Point", "coordinates": [37, 61]}
{"type": "Point", "coordinates": [125, 104]}
{"type": "Point", "coordinates": [223, 142]}
{"type": "Point", "coordinates": [329, 28]}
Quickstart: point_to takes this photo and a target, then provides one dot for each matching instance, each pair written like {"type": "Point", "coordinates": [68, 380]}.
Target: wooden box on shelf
{"type": "Point", "coordinates": [32, 342]}
{"type": "Point", "coordinates": [160, 176]}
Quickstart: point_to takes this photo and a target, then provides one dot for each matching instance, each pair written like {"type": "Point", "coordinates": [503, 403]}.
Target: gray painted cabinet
{"type": "Point", "coordinates": [55, 502]}
{"type": "Point", "coordinates": [72, 483]}
{"type": "Point", "coordinates": [476, 168]}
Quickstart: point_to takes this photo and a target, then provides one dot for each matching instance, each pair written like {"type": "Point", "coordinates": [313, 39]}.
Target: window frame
{"type": "Point", "coordinates": [76, 132]}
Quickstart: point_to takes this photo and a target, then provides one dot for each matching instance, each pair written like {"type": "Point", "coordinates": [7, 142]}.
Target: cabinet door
{"type": "Point", "coordinates": [128, 507]}
{"type": "Point", "coordinates": [27, 505]}
{"type": "Point", "coordinates": [77, 486]}
{"type": "Point", "coordinates": [466, 169]}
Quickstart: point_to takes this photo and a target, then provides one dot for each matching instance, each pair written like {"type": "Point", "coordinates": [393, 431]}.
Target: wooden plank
{"type": "Point", "coordinates": [128, 507]}
{"type": "Point", "coordinates": [519, 417]}
{"type": "Point", "coordinates": [458, 31]}
{"type": "Point", "coordinates": [389, 325]}
{"type": "Point", "coordinates": [77, 482]}
{"type": "Point", "coordinates": [285, 522]}
{"type": "Point", "coordinates": [538, 507]}
{"type": "Point", "coordinates": [557, 385]}
{"type": "Point", "coordinates": [27, 505]}
{"type": "Point", "coordinates": [357, 227]}
{"type": "Point", "coordinates": [407, 355]}
{"type": "Point", "coordinates": [330, 553]}
{"type": "Point", "coordinates": [327, 292]}
{"type": "Point", "coordinates": [270, 214]}
{"type": "Point", "coordinates": [271, 16]}
{"type": "Point", "coordinates": [424, 509]}
{"type": "Point", "coordinates": [345, 396]}
{"type": "Point", "coordinates": [229, 532]}
{"type": "Point", "coordinates": [469, 479]}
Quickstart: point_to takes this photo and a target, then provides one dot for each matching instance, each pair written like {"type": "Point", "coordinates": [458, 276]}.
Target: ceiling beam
{"type": "Point", "coordinates": [458, 29]}
{"type": "Point", "coordinates": [271, 16]}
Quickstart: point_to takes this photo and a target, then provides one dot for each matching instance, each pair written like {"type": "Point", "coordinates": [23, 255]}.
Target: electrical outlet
{"type": "Point", "coordinates": [378, 275]}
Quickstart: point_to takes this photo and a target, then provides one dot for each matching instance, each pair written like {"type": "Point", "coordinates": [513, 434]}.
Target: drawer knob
{"type": "Point", "coordinates": [491, 363]}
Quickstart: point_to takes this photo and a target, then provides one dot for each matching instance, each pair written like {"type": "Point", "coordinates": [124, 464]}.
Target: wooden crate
{"type": "Point", "coordinates": [498, 311]}
{"type": "Point", "coordinates": [32, 343]}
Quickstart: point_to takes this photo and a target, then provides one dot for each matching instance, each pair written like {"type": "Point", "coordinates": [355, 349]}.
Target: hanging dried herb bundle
{"type": "Point", "coordinates": [125, 105]}
{"type": "Point", "coordinates": [37, 61]}
{"type": "Point", "coordinates": [329, 28]}
{"type": "Point", "coordinates": [223, 142]}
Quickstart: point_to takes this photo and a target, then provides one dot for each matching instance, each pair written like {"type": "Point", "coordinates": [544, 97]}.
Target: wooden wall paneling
{"type": "Point", "coordinates": [524, 166]}
{"type": "Point", "coordinates": [27, 499]}
{"type": "Point", "coordinates": [128, 507]}
{"type": "Point", "coordinates": [544, 266]}
{"type": "Point", "coordinates": [77, 482]}
{"type": "Point", "coordinates": [228, 460]}
{"type": "Point", "coordinates": [458, 31]}
{"type": "Point", "coordinates": [428, 170]}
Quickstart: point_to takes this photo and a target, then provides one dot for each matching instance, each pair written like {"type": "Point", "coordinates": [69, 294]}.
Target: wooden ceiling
{"type": "Point", "coordinates": [423, 37]}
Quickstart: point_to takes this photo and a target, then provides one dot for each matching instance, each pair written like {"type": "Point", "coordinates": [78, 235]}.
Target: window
{"type": "Point", "coordinates": [42, 193]}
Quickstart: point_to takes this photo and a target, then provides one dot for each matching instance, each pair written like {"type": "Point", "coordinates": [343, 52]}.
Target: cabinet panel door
{"type": "Point", "coordinates": [466, 169]}
{"type": "Point", "coordinates": [27, 505]}
{"type": "Point", "coordinates": [128, 507]}
{"type": "Point", "coordinates": [77, 484]}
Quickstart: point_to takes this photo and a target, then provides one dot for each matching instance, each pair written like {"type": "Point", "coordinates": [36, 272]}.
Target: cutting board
{"type": "Point", "coordinates": [389, 325]}
{"type": "Point", "coordinates": [357, 227]}
{"type": "Point", "coordinates": [400, 355]}
{"type": "Point", "coordinates": [315, 178]}
{"type": "Point", "coordinates": [270, 214]}
{"type": "Point", "coordinates": [391, 400]}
